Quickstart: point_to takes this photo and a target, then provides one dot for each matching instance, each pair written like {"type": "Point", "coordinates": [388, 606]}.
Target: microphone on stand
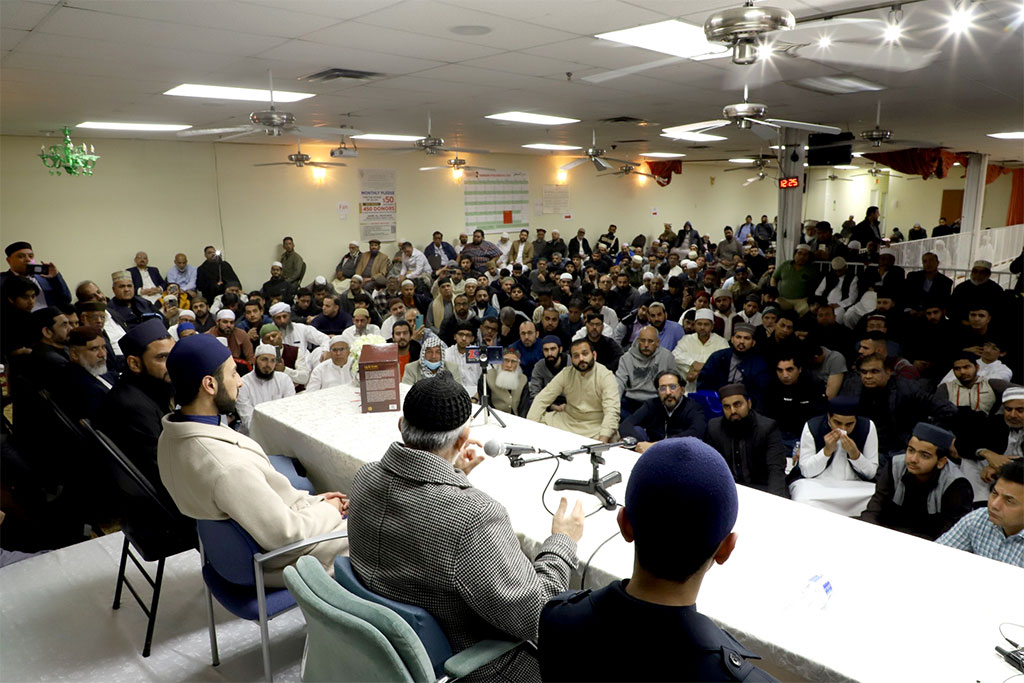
{"type": "Point", "coordinates": [495, 448]}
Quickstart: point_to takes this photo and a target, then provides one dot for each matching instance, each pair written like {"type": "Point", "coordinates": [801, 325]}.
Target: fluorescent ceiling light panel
{"type": "Point", "coordinates": [693, 137]}
{"type": "Point", "coordinates": [388, 137]}
{"type": "Point", "coordinates": [741, 161]}
{"type": "Point", "coordinates": [670, 37]}
{"type": "Point", "coordinates": [845, 167]}
{"type": "Point", "coordinates": [557, 148]}
{"type": "Point", "coordinates": [113, 125]}
{"type": "Point", "coordinates": [836, 85]}
{"type": "Point", "coordinates": [220, 92]}
{"type": "Point", "coordinates": [1014, 135]}
{"type": "Point", "coordinates": [527, 117]}
{"type": "Point", "coordinates": [662, 155]}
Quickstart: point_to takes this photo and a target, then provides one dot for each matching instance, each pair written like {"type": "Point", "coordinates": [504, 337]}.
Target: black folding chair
{"type": "Point", "coordinates": [152, 526]}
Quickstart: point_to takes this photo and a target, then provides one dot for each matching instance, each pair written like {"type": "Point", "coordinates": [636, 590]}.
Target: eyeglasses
{"type": "Point", "coordinates": [662, 388]}
{"type": "Point", "coordinates": [870, 371]}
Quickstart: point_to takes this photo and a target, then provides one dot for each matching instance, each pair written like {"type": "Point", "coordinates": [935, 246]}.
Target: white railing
{"type": "Point", "coordinates": [998, 245]}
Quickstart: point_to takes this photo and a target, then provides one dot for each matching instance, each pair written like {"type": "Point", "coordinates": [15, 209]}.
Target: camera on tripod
{"type": "Point", "coordinates": [484, 355]}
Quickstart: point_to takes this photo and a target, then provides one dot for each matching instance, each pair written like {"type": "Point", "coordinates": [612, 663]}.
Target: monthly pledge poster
{"type": "Point", "coordinates": [496, 201]}
{"type": "Point", "coordinates": [378, 210]}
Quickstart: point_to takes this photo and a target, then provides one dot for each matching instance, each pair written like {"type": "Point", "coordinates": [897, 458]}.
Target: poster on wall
{"type": "Point", "coordinates": [496, 201]}
{"type": "Point", "coordinates": [378, 210]}
{"type": "Point", "coordinates": [556, 199]}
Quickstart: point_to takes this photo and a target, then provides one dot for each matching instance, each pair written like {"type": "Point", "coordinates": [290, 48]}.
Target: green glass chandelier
{"type": "Point", "coordinates": [67, 158]}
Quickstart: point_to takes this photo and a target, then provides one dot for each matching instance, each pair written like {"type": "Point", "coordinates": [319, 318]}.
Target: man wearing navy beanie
{"type": "Point", "coordinates": [213, 472]}
{"type": "Point", "coordinates": [679, 512]}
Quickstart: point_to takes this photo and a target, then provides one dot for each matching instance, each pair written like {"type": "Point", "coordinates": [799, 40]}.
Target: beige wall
{"type": "Point", "coordinates": [170, 196]}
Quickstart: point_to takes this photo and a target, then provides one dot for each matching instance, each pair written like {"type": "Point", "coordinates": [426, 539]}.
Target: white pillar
{"type": "Point", "coordinates": [791, 200]}
{"type": "Point", "coordinates": [974, 199]}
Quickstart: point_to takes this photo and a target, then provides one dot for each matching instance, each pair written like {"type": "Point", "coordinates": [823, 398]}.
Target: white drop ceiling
{"type": "Point", "coordinates": [111, 60]}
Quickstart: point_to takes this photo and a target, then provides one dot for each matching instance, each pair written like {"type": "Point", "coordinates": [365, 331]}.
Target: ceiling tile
{"type": "Point", "coordinates": [22, 15]}
{"type": "Point", "coordinates": [327, 56]}
{"type": "Point", "coordinates": [405, 43]}
{"type": "Point", "coordinates": [108, 51]}
{"type": "Point", "coordinates": [348, 9]}
{"type": "Point", "coordinates": [10, 38]}
{"type": "Point", "coordinates": [582, 17]}
{"type": "Point", "coordinates": [486, 77]}
{"type": "Point", "coordinates": [595, 52]}
{"type": "Point", "coordinates": [526, 65]}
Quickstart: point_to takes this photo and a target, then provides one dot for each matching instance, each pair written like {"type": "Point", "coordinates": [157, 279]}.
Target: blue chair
{"type": "Point", "coordinates": [354, 639]}
{"type": "Point", "coordinates": [286, 466]}
{"type": "Point", "coordinates": [709, 401]}
{"type": "Point", "coordinates": [233, 573]}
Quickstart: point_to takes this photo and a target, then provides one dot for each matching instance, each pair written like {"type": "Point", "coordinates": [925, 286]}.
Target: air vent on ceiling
{"type": "Point", "coordinates": [335, 73]}
{"type": "Point", "coordinates": [626, 142]}
{"type": "Point", "coordinates": [628, 119]}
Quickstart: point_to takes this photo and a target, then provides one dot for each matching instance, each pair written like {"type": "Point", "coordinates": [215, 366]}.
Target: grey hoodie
{"type": "Point", "coordinates": [636, 372]}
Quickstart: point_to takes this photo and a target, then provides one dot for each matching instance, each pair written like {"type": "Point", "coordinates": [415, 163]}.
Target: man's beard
{"type": "Point", "coordinates": [223, 401]}
{"type": "Point", "coordinates": [738, 427]}
{"type": "Point", "coordinates": [262, 375]}
{"type": "Point", "coordinates": [508, 380]}
{"type": "Point", "coordinates": [553, 364]}
{"type": "Point", "coordinates": [97, 369]}
{"type": "Point", "coordinates": [583, 366]}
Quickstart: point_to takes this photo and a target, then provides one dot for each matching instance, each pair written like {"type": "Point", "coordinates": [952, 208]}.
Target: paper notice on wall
{"type": "Point", "coordinates": [654, 211]}
{"type": "Point", "coordinates": [496, 201]}
{"type": "Point", "coordinates": [556, 199]}
{"type": "Point", "coordinates": [567, 217]}
{"type": "Point", "coordinates": [538, 208]}
{"type": "Point", "coordinates": [343, 210]}
{"type": "Point", "coordinates": [378, 210]}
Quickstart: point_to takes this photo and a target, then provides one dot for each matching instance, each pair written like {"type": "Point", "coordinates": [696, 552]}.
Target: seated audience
{"type": "Point", "coordinates": [750, 443]}
{"type": "Point", "coordinates": [47, 364]}
{"type": "Point", "coordinates": [213, 472]}
{"type": "Point", "coordinates": [554, 360]}
{"type": "Point", "coordinates": [419, 489]}
{"type": "Point", "coordinates": [395, 312]}
{"type": "Point", "coordinates": [668, 415]}
{"type": "Point", "coordinates": [667, 638]}
{"type": "Point", "coordinates": [293, 333]}
{"type": "Point", "coordinates": [670, 333]}
{"type": "Point", "coordinates": [238, 341]}
{"type": "Point", "coordinates": [996, 531]}
{"type": "Point", "coordinates": [263, 384]}
{"type": "Point", "coordinates": [694, 349]}
{"type": "Point", "coordinates": [638, 367]}
{"type": "Point", "coordinates": [507, 385]}
{"type": "Point", "coordinates": [741, 362]}
{"type": "Point", "coordinates": [127, 308]}
{"type": "Point", "coordinates": [204, 320]}
{"type": "Point", "coordinates": [277, 287]}
{"type": "Point", "coordinates": [292, 360]}
{"type": "Point", "coordinates": [304, 309]}
{"type": "Point", "coordinates": [148, 283]}
{"type": "Point", "coordinates": [597, 332]}
{"type": "Point", "coordinates": [86, 381]}
{"type": "Point", "coordinates": [528, 346]}
{"type": "Point", "coordinates": [793, 397]}
{"type": "Point", "coordinates": [408, 348]}
{"type": "Point", "coordinates": [360, 327]}
{"type": "Point", "coordinates": [465, 336]}
{"type": "Point", "coordinates": [334, 373]}
{"type": "Point", "coordinates": [431, 362]}
{"type": "Point", "coordinates": [591, 394]}
{"type": "Point", "coordinates": [921, 492]}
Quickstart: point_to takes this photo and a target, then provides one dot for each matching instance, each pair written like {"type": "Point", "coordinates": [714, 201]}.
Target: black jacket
{"type": "Point", "coordinates": [912, 516]}
{"type": "Point", "coordinates": [686, 420]}
{"type": "Point", "coordinates": [209, 273]}
{"type": "Point", "coordinates": [574, 247]}
{"type": "Point", "coordinates": [914, 295]}
{"type": "Point", "coordinates": [896, 412]}
{"type": "Point", "coordinates": [792, 406]}
{"type": "Point", "coordinates": [757, 459]}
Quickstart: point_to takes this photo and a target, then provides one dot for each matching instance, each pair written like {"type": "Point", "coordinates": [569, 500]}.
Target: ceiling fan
{"type": "Point", "coordinates": [627, 169]}
{"type": "Point", "coordinates": [761, 175]}
{"type": "Point", "coordinates": [833, 177]}
{"type": "Point", "coordinates": [596, 155]}
{"type": "Point", "coordinates": [751, 116]}
{"type": "Point", "coordinates": [876, 172]}
{"type": "Point", "coordinates": [298, 159]}
{"type": "Point", "coordinates": [273, 123]}
{"type": "Point", "coordinates": [456, 164]}
{"type": "Point", "coordinates": [432, 145]}
{"type": "Point", "coordinates": [874, 138]}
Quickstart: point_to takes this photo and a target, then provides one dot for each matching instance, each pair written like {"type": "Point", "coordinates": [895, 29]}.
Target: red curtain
{"type": "Point", "coordinates": [992, 172]}
{"type": "Point", "coordinates": [925, 162]}
{"type": "Point", "coordinates": [663, 170]}
{"type": "Point", "coordinates": [1015, 214]}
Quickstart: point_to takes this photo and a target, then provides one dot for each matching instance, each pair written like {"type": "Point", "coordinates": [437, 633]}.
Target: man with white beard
{"type": "Point", "coordinates": [86, 380]}
{"type": "Point", "coordinates": [263, 384]}
{"type": "Point", "coordinates": [335, 372]}
{"type": "Point", "coordinates": [506, 385]}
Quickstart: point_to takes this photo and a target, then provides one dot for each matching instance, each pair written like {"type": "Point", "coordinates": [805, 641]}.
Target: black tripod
{"type": "Point", "coordinates": [596, 485]}
{"type": "Point", "coordinates": [485, 400]}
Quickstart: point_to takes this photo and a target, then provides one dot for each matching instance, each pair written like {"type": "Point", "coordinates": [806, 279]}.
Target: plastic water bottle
{"type": "Point", "coordinates": [816, 593]}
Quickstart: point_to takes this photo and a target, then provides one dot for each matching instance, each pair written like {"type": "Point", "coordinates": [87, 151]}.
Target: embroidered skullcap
{"type": "Point", "coordinates": [743, 327]}
{"type": "Point", "coordinates": [648, 275]}
{"type": "Point", "coordinates": [1013, 394]}
{"type": "Point", "coordinates": [737, 389]}
{"type": "Point", "coordinates": [843, 405]}
{"type": "Point", "coordinates": [704, 314]}
{"type": "Point", "coordinates": [16, 246]}
{"type": "Point", "coordinates": [982, 264]}
{"type": "Point", "coordinates": [267, 329]}
{"type": "Point", "coordinates": [692, 255]}
{"type": "Point", "coordinates": [139, 337]}
{"type": "Point", "coordinates": [120, 276]}
{"type": "Point", "coordinates": [937, 436]}
{"type": "Point", "coordinates": [279, 307]}
{"type": "Point", "coordinates": [225, 314]}
{"type": "Point", "coordinates": [319, 280]}
{"type": "Point", "coordinates": [722, 291]}
{"type": "Point", "coordinates": [170, 297]}
{"type": "Point", "coordinates": [803, 247]}
{"type": "Point", "coordinates": [266, 350]}
{"type": "Point", "coordinates": [192, 359]}
{"type": "Point", "coordinates": [437, 404]}
{"type": "Point", "coordinates": [838, 263]}
{"type": "Point", "coordinates": [360, 312]}
{"type": "Point", "coordinates": [676, 479]}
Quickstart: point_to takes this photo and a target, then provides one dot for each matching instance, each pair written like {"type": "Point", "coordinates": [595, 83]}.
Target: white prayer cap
{"type": "Point", "coordinates": [687, 264]}
{"type": "Point", "coordinates": [887, 252]}
{"type": "Point", "coordinates": [279, 307]}
{"type": "Point", "coordinates": [648, 275]}
{"type": "Point", "coordinates": [637, 258]}
{"type": "Point", "coordinates": [854, 244]}
{"type": "Point", "coordinates": [407, 281]}
{"type": "Point", "coordinates": [565, 276]}
{"type": "Point", "coordinates": [222, 340]}
{"type": "Point", "coordinates": [186, 313]}
{"type": "Point", "coordinates": [504, 235]}
{"type": "Point", "coordinates": [266, 350]}
{"type": "Point", "coordinates": [338, 339]}
{"type": "Point", "coordinates": [656, 243]}
{"type": "Point", "coordinates": [692, 254]}
{"type": "Point", "coordinates": [276, 263]}
{"type": "Point", "coordinates": [319, 280]}
{"type": "Point", "coordinates": [982, 264]}
{"type": "Point", "coordinates": [360, 311]}
{"type": "Point", "coordinates": [917, 225]}
{"type": "Point", "coordinates": [1013, 394]}
{"type": "Point", "coordinates": [353, 244]}
{"type": "Point", "coordinates": [225, 314]}
{"type": "Point", "coordinates": [838, 263]}
{"type": "Point", "coordinates": [357, 277]}
{"type": "Point", "coordinates": [704, 314]}
{"type": "Point", "coordinates": [170, 297]}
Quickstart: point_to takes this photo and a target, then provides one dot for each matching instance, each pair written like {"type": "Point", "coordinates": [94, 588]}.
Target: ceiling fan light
{"type": "Point", "coordinates": [741, 161]}
{"type": "Point", "coordinates": [548, 146]}
{"type": "Point", "coordinates": [764, 52]}
{"type": "Point", "coordinates": [892, 33]}
{"type": "Point", "coordinates": [671, 37]}
{"type": "Point", "coordinates": [960, 19]}
{"type": "Point", "coordinates": [694, 137]}
{"type": "Point", "coordinates": [1011, 135]}
{"type": "Point", "coordinates": [824, 41]}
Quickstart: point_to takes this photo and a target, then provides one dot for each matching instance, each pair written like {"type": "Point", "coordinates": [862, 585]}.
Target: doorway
{"type": "Point", "coordinates": [952, 205]}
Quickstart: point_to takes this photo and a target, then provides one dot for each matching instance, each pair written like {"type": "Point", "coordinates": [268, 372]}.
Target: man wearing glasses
{"type": "Point", "coordinates": [666, 416]}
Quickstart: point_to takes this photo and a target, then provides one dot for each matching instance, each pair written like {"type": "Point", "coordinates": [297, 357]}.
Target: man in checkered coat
{"type": "Point", "coordinates": [421, 534]}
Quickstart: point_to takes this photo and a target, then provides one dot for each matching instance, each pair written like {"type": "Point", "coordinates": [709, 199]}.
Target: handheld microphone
{"type": "Point", "coordinates": [495, 448]}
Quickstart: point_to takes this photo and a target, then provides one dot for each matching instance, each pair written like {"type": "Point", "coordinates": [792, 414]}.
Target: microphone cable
{"type": "Point", "coordinates": [544, 491]}
{"type": "Point", "coordinates": [583, 577]}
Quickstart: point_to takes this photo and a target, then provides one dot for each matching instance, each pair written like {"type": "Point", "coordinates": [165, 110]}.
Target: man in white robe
{"type": "Point", "coordinates": [263, 384]}
{"type": "Point", "coordinates": [334, 371]}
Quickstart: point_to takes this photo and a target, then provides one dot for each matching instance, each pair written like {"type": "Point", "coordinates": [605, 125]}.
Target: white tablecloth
{"type": "Point", "coordinates": [902, 608]}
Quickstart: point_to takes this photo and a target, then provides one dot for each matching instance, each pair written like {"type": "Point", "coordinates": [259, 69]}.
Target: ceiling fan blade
{"type": "Point", "coordinates": [322, 132]}
{"type": "Point", "coordinates": [801, 125]}
{"type": "Point", "coordinates": [765, 129]}
{"type": "Point", "coordinates": [324, 163]}
{"type": "Point", "coordinates": [433, 168]}
{"type": "Point", "coordinates": [887, 57]}
{"type": "Point", "coordinates": [649, 175]}
{"type": "Point", "coordinates": [468, 150]}
{"type": "Point", "coordinates": [216, 131]}
{"type": "Point", "coordinates": [619, 73]}
{"type": "Point", "coordinates": [621, 161]}
{"type": "Point", "coordinates": [840, 28]}
{"type": "Point", "coordinates": [573, 164]}
{"type": "Point", "coordinates": [737, 168]}
{"type": "Point", "coordinates": [699, 127]}
{"type": "Point", "coordinates": [600, 164]}
{"type": "Point", "coordinates": [277, 163]}
{"type": "Point", "coordinates": [477, 168]}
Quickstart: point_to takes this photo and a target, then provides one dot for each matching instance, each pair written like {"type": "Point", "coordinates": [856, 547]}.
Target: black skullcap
{"type": "Point", "coordinates": [675, 281]}
{"type": "Point", "coordinates": [437, 404]}
{"type": "Point", "coordinates": [677, 479]}
{"type": "Point", "coordinates": [90, 306]}
{"type": "Point", "coordinates": [646, 300]}
{"type": "Point", "coordinates": [937, 436]}
{"type": "Point", "coordinates": [139, 337]}
{"type": "Point", "coordinates": [80, 336]}
{"type": "Point", "coordinates": [737, 389]}
{"type": "Point", "coordinates": [16, 246]}
{"type": "Point", "coordinates": [843, 405]}
{"type": "Point", "coordinates": [192, 359]}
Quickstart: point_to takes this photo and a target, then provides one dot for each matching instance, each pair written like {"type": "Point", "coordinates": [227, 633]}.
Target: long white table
{"type": "Point", "coordinates": [902, 608]}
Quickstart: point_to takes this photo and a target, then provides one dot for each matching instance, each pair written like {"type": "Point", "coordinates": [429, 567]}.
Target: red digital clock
{"type": "Point", "coordinates": [789, 182]}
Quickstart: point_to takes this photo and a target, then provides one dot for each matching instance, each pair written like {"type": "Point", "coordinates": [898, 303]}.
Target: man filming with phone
{"type": "Point", "coordinates": [22, 261]}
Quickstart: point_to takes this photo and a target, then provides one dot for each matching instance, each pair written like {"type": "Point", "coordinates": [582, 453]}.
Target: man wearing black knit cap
{"type": "Point", "coordinates": [654, 614]}
{"type": "Point", "coordinates": [421, 534]}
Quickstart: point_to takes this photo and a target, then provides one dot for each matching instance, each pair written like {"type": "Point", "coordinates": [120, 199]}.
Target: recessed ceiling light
{"type": "Point", "coordinates": [220, 92]}
{"type": "Point", "coordinates": [1012, 135]}
{"type": "Point", "coordinates": [845, 167]}
{"type": "Point", "coordinates": [836, 85]}
{"type": "Point", "coordinates": [111, 125]}
{"type": "Point", "coordinates": [662, 155]}
{"type": "Point", "coordinates": [857, 154]}
{"type": "Point", "coordinates": [956, 163]}
{"type": "Point", "coordinates": [824, 41]}
{"type": "Point", "coordinates": [527, 117]}
{"type": "Point", "coordinates": [741, 161]}
{"type": "Point", "coordinates": [388, 137]}
{"type": "Point", "coordinates": [693, 137]}
{"type": "Point", "coordinates": [670, 37]}
{"type": "Point", "coordinates": [470, 30]}
{"type": "Point", "coordinates": [545, 145]}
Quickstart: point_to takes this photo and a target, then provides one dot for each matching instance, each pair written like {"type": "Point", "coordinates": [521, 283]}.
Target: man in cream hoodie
{"type": "Point", "coordinates": [213, 472]}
